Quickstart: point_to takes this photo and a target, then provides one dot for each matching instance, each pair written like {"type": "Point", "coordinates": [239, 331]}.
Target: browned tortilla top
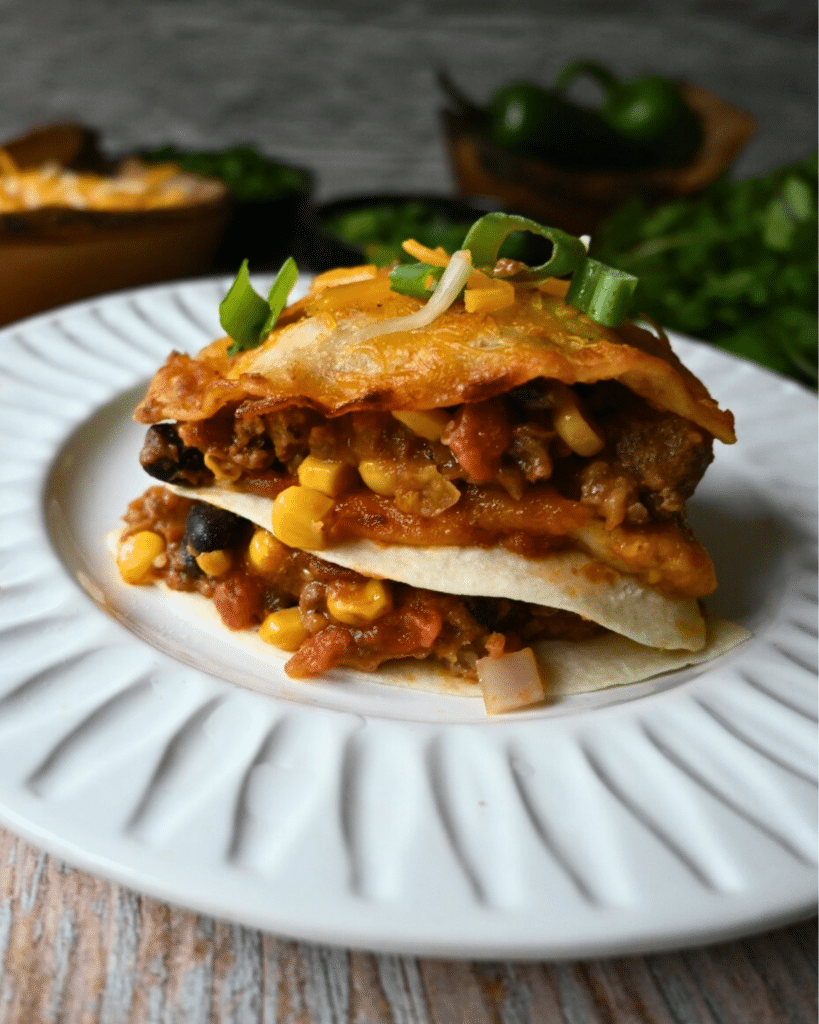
{"type": "Point", "coordinates": [314, 358]}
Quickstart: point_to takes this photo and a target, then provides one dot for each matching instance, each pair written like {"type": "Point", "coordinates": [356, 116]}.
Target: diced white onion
{"type": "Point", "coordinates": [452, 281]}
{"type": "Point", "coordinates": [510, 682]}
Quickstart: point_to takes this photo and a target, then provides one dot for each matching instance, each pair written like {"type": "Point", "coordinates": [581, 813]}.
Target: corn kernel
{"type": "Point", "coordinates": [428, 424]}
{"type": "Point", "coordinates": [214, 563]}
{"type": "Point", "coordinates": [284, 629]}
{"type": "Point", "coordinates": [136, 555]}
{"type": "Point", "coordinates": [381, 477]}
{"type": "Point", "coordinates": [265, 552]}
{"type": "Point", "coordinates": [296, 517]}
{"type": "Point", "coordinates": [486, 298]}
{"type": "Point", "coordinates": [357, 604]}
{"type": "Point", "coordinates": [329, 477]}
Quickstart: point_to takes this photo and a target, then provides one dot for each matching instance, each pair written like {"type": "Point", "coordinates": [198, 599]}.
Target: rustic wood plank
{"type": "Point", "coordinates": [75, 949]}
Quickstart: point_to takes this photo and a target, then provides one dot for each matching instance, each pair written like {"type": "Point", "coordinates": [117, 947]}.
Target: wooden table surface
{"type": "Point", "coordinates": [75, 949]}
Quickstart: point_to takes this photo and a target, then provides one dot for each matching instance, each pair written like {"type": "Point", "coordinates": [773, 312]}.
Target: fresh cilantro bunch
{"type": "Point", "coordinates": [736, 266]}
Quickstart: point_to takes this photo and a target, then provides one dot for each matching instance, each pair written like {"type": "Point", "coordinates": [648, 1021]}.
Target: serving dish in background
{"type": "Point", "coordinates": [52, 255]}
{"type": "Point", "coordinates": [578, 201]}
{"type": "Point", "coordinates": [270, 204]}
{"type": "Point", "coordinates": [370, 228]}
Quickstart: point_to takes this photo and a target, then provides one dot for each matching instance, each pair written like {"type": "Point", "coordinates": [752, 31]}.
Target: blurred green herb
{"type": "Point", "coordinates": [249, 175]}
{"type": "Point", "coordinates": [736, 266]}
{"type": "Point", "coordinates": [380, 230]}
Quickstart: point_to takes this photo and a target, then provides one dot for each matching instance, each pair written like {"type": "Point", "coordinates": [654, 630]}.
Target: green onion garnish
{"type": "Point", "coordinates": [601, 292]}
{"type": "Point", "coordinates": [488, 234]}
{"type": "Point", "coordinates": [244, 314]}
{"type": "Point", "coordinates": [279, 291]}
{"type": "Point", "coordinates": [411, 279]}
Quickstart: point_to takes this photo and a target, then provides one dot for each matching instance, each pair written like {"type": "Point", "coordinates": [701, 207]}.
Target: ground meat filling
{"type": "Point", "coordinates": [414, 623]}
{"type": "Point", "coordinates": [527, 470]}
{"type": "Point", "coordinates": [648, 465]}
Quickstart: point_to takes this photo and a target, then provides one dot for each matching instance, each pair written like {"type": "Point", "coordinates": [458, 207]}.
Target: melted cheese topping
{"type": "Point", "coordinates": [325, 353]}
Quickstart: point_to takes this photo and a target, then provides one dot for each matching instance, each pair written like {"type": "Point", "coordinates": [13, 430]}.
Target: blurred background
{"type": "Point", "coordinates": [349, 92]}
{"type": "Point", "coordinates": [347, 87]}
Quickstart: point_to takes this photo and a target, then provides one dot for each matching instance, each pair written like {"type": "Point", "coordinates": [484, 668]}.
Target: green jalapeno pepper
{"type": "Point", "coordinates": [644, 122]}
{"type": "Point", "coordinates": [539, 122]}
{"type": "Point", "coordinates": [649, 110]}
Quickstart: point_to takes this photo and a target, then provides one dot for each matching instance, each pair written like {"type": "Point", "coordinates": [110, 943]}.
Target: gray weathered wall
{"type": "Point", "coordinates": [348, 89]}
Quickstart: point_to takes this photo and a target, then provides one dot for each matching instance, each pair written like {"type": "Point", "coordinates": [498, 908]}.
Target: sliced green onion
{"type": "Point", "coordinates": [488, 234]}
{"type": "Point", "coordinates": [411, 279]}
{"type": "Point", "coordinates": [601, 292]}
{"type": "Point", "coordinates": [245, 316]}
{"type": "Point", "coordinates": [279, 291]}
{"type": "Point", "coordinates": [242, 312]}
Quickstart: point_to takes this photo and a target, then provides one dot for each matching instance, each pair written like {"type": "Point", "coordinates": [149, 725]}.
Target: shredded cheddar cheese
{"type": "Point", "coordinates": [343, 275]}
{"type": "Point", "coordinates": [439, 257]}
{"type": "Point", "coordinates": [134, 187]}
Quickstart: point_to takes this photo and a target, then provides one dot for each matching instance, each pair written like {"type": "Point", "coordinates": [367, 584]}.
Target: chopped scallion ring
{"type": "Point", "coordinates": [245, 316]}
{"type": "Point", "coordinates": [414, 279]}
{"type": "Point", "coordinates": [601, 292]}
{"type": "Point", "coordinates": [488, 234]}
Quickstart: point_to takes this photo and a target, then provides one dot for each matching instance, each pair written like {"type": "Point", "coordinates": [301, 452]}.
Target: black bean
{"type": "Point", "coordinates": [485, 611]}
{"type": "Point", "coordinates": [208, 528]}
{"type": "Point", "coordinates": [166, 458]}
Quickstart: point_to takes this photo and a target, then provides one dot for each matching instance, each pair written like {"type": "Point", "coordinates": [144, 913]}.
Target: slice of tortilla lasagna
{"type": "Point", "coordinates": [453, 478]}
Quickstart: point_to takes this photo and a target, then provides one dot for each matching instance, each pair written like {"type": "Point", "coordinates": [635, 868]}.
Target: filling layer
{"type": "Point", "coordinates": [324, 614]}
{"type": "Point", "coordinates": [543, 468]}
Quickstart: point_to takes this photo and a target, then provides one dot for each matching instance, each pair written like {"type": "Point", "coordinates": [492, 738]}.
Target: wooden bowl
{"type": "Point", "coordinates": [53, 255]}
{"type": "Point", "coordinates": [578, 202]}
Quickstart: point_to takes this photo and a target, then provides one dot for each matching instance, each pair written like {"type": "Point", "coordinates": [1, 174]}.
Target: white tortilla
{"type": "Point", "coordinates": [619, 603]}
{"type": "Point", "coordinates": [567, 667]}
{"type": "Point", "coordinates": [572, 667]}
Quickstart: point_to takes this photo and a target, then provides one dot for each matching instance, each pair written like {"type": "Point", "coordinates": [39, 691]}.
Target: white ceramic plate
{"type": "Point", "coordinates": [347, 812]}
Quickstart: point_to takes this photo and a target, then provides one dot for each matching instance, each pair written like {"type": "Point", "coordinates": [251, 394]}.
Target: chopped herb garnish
{"type": "Point", "coordinates": [245, 316]}
{"type": "Point", "coordinates": [597, 290]}
{"type": "Point", "coordinates": [279, 291]}
{"type": "Point", "coordinates": [488, 234]}
{"type": "Point", "coordinates": [248, 174]}
{"type": "Point", "coordinates": [735, 266]}
{"type": "Point", "coordinates": [415, 279]}
{"type": "Point", "coordinates": [601, 292]}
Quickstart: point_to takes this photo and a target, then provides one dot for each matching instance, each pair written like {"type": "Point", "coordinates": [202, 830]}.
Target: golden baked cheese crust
{"type": "Point", "coordinates": [314, 358]}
